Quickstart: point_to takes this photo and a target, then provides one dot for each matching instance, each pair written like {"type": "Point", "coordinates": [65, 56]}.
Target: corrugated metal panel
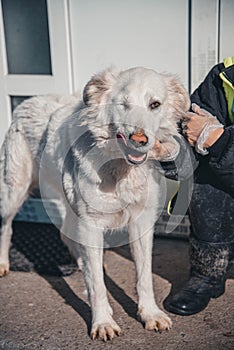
{"type": "Point", "coordinates": [204, 38]}
{"type": "Point", "coordinates": [226, 28]}
{"type": "Point", "coordinates": [51, 211]}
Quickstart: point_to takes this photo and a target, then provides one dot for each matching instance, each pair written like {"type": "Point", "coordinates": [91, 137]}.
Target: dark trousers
{"type": "Point", "coordinates": [211, 214]}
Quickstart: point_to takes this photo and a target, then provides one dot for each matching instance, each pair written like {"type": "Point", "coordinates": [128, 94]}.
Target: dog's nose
{"type": "Point", "coordinates": [139, 139]}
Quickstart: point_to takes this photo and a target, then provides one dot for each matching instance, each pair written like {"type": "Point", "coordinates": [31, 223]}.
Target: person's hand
{"type": "Point", "coordinates": [201, 128]}
{"type": "Point", "coordinates": [192, 127]}
{"type": "Point", "coordinates": [165, 150]}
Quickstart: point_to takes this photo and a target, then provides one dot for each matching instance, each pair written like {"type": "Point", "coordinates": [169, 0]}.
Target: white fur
{"type": "Point", "coordinates": [72, 145]}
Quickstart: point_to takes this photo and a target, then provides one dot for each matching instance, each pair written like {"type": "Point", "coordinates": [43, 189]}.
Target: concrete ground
{"type": "Point", "coordinates": [43, 302]}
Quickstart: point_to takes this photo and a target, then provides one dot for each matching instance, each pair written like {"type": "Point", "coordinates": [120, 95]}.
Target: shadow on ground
{"type": "Point", "coordinates": [38, 248]}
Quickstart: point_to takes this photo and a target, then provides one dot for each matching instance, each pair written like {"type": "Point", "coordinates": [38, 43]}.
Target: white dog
{"type": "Point", "coordinates": [99, 154]}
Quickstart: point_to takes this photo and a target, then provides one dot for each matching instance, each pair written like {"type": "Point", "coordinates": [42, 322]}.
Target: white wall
{"type": "Point", "coordinates": [129, 33]}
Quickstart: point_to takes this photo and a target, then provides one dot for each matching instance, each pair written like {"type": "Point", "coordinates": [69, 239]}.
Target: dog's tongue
{"type": "Point", "coordinates": [122, 137]}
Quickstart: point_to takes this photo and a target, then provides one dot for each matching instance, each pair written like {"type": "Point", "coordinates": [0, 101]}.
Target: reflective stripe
{"type": "Point", "coordinates": [228, 88]}
{"type": "Point", "coordinates": [229, 61]}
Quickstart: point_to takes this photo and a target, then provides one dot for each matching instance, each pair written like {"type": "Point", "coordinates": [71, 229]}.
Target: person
{"type": "Point", "coordinates": [209, 129]}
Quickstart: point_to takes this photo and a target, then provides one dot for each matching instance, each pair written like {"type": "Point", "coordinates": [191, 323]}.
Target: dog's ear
{"type": "Point", "coordinates": [98, 86]}
{"type": "Point", "coordinates": [177, 94]}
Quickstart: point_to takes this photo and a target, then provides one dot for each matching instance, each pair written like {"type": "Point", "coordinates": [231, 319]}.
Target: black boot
{"type": "Point", "coordinates": [209, 265]}
{"type": "Point", "coordinates": [195, 295]}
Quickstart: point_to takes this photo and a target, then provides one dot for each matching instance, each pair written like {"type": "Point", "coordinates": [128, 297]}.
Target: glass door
{"type": "Point", "coordinates": [34, 52]}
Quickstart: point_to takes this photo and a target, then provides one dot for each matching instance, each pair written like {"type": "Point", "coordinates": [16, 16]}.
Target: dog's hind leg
{"type": "Point", "coordinates": [15, 181]}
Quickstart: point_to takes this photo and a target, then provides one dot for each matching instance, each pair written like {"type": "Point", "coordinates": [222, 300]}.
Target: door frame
{"type": "Point", "coordinates": [61, 79]}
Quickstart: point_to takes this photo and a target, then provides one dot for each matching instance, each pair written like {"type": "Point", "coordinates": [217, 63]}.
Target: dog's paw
{"type": "Point", "coordinates": [105, 331]}
{"type": "Point", "coordinates": [157, 321]}
{"type": "Point", "coordinates": [4, 269]}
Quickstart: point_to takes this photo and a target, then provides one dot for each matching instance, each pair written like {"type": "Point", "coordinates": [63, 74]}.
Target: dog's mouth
{"type": "Point", "coordinates": [133, 156]}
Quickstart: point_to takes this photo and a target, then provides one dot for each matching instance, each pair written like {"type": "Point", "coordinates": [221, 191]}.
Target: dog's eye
{"type": "Point", "coordinates": [154, 104]}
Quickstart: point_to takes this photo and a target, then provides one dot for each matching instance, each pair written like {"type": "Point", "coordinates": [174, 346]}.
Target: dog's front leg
{"type": "Point", "coordinates": [141, 240]}
{"type": "Point", "coordinates": [103, 325]}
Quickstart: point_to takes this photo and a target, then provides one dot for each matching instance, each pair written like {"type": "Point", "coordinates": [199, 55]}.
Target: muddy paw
{"type": "Point", "coordinates": [4, 269]}
{"type": "Point", "coordinates": [105, 331]}
{"type": "Point", "coordinates": [159, 322]}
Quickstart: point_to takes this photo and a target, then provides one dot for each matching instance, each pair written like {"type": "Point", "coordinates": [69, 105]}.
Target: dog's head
{"type": "Point", "coordinates": [139, 105]}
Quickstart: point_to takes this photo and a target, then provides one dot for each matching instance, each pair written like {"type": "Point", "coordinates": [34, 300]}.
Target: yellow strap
{"type": "Point", "coordinates": [170, 205]}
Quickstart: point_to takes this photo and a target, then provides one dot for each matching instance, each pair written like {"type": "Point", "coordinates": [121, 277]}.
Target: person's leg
{"type": "Point", "coordinates": [211, 250]}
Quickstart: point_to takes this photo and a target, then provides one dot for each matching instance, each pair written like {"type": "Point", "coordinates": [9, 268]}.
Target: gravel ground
{"type": "Point", "coordinates": [43, 301]}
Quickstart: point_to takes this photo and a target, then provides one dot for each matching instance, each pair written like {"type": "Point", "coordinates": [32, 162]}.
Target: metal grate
{"type": "Point", "coordinates": [38, 247]}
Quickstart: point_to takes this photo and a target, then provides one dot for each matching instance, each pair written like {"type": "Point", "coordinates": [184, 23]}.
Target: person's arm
{"type": "Point", "coordinates": [210, 137]}
{"type": "Point", "coordinates": [177, 165]}
{"type": "Point", "coordinates": [210, 96]}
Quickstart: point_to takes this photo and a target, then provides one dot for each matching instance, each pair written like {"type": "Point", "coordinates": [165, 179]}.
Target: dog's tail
{"type": "Point", "coordinates": [16, 167]}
